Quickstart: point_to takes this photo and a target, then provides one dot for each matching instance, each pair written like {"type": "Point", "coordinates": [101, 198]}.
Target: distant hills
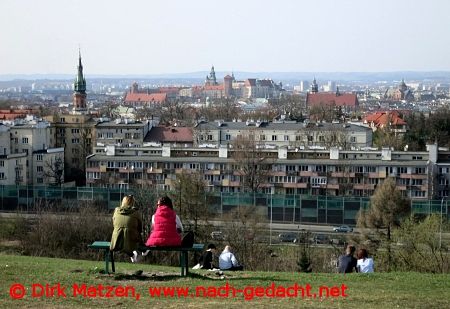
{"type": "Point", "coordinates": [277, 76]}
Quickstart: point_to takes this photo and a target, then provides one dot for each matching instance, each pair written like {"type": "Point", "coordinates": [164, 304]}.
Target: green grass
{"type": "Point", "coordinates": [378, 290]}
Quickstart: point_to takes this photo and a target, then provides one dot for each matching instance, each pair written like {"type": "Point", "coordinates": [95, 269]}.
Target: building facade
{"type": "Point", "coordinates": [333, 172]}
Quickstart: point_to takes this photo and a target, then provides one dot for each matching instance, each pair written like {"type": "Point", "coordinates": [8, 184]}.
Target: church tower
{"type": "Point", "coordinates": [211, 79]}
{"type": "Point", "coordinates": [314, 86]}
{"type": "Point", "coordinates": [79, 87]}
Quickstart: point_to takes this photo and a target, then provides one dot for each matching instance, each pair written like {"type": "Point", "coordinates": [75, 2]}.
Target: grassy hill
{"type": "Point", "coordinates": [81, 284]}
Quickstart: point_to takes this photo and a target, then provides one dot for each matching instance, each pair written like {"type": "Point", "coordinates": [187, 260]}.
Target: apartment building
{"type": "Point", "coordinates": [291, 134]}
{"type": "Point", "coordinates": [27, 156]}
{"type": "Point", "coordinates": [330, 172]}
{"type": "Point", "coordinates": [122, 132]}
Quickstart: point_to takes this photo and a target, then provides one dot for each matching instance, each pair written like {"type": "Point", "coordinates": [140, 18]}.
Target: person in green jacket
{"type": "Point", "coordinates": [127, 222]}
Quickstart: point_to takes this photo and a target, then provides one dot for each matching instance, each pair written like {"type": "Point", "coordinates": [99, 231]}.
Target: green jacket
{"type": "Point", "coordinates": [127, 224]}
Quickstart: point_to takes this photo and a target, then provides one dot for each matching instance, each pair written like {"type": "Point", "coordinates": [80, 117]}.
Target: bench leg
{"type": "Point", "coordinates": [186, 258]}
{"type": "Point", "coordinates": [113, 267]}
{"type": "Point", "coordinates": [184, 263]}
{"type": "Point", "coordinates": [106, 255]}
{"type": "Point", "coordinates": [109, 256]}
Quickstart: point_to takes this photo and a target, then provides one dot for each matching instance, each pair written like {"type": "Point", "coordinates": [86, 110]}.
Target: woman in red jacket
{"type": "Point", "coordinates": [166, 226]}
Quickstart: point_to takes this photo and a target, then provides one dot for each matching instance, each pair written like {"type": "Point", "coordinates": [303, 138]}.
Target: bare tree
{"type": "Point", "coordinates": [54, 171]}
{"type": "Point", "coordinates": [253, 164]}
{"type": "Point", "coordinates": [191, 198]}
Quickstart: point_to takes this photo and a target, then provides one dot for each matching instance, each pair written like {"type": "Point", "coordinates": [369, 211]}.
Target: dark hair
{"type": "Point", "coordinates": [211, 246]}
{"type": "Point", "coordinates": [165, 200]}
{"type": "Point", "coordinates": [350, 249]}
{"type": "Point", "coordinates": [362, 254]}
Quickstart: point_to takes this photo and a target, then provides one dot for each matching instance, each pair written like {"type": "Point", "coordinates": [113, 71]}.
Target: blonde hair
{"type": "Point", "coordinates": [127, 201]}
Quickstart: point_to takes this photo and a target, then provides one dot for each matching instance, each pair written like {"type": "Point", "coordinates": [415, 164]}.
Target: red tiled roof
{"type": "Point", "coordinates": [170, 134]}
{"type": "Point", "coordinates": [213, 87]}
{"type": "Point", "coordinates": [145, 97]}
{"type": "Point", "coordinates": [11, 114]}
{"type": "Point", "coordinates": [383, 118]}
{"type": "Point", "coordinates": [168, 89]}
{"type": "Point", "coordinates": [329, 98]}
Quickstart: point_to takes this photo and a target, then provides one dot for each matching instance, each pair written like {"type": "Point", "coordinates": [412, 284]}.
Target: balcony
{"type": "Point", "coordinates": [277, 173]}
{"type": "Point", "coordinates": [93, 169]}
{"type": "Point", "coordinates": [154, 170]}
{"type": "Point", "coordinates": [308, 174]}
{"type": "Point", "coordinates": [333, 186]}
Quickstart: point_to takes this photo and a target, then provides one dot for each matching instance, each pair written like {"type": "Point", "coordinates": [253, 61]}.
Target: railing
{"type": "Point", "coordinates": [284, 208]}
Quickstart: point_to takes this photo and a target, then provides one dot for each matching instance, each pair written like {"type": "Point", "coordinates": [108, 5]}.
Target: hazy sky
{"type": "Point", "coordinates": [178, 36]}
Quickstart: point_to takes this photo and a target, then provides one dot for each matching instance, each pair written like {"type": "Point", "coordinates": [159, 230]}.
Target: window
{"type": "Point", "coordinates": [39, 168]}
{"type": "Point", "coordinates": [40, 180]}
{"type": "Point", "coordinates": [227, 137]}
{"type": "Point", "coordinates": [2, 163]}
{"type": "Point", "coordinates": [352, 139]}
{"type": "Point", "coordinates": [419, 170]}
{"type": "Point", "coordinates": [2, 175]}
{"type": "Point", "coordinates": [74, 131]}
{"type": "Point", "coordinates": [24, 140]}
{"type": "Point", "coordinates": [286, 138]}
{"type": "Point", "coordinates": [298, 138]}
{"type": "Point", "coordinates": [274, 137]}
{"type": "Point", "coordinates": [262, 137]}
{"type": "Point", "coordinates": [39, 157]}
{"type": "Point", "coordinates": [75, 140]}
{"type": "Point", "coordinates": [63, 119]}
{"type": "Point", "coordinates": [109, 135]}
{"type": "Point", "coordinates": [402, 170]}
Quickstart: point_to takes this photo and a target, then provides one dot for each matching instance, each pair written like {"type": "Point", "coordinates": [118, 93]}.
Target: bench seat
{"type": "Point", "coordinates": [184, 254]}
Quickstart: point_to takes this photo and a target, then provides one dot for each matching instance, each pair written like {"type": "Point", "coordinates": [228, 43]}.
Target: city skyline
{"type": "Point", "coordinates": [168, 37]}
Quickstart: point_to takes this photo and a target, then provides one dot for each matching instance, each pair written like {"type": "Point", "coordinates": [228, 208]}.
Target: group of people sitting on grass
{"type": "Point", "coordinates": [362, 264]}
{"type": "Point", "coordinates": [166, 231]}
{"type": "Point", "coordinates": [227, 260]}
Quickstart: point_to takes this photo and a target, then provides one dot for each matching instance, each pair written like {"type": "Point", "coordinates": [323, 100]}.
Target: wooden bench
{"type": "Point", "coordinates": [184, 254]}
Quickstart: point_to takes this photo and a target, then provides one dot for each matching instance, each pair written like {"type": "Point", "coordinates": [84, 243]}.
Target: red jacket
{"type": "Point", "coordinates": [164, 231]}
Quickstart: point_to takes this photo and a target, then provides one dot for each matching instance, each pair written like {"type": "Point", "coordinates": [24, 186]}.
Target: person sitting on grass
{"type": "Point", "coordinates": [364, 263]}
{"type": "Point", "coordinates": [227, 260]}
{"type": "Point", "coordinates": [347, 262]}
{"type": "Point", "coordinates": [206, 261]}
{"type": "Point", "coordinates": [127, 223]}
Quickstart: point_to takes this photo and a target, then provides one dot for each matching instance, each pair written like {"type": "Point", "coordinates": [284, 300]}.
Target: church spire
{"type": "Point", "coordinates": [79, 87]}
{"type": "Point", "coordinates": [80, 82]}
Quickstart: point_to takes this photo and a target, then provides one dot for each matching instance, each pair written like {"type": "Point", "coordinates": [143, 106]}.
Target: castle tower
{"type": "Point", "coordinates": [79, 87]}
{"type": "Point", "coordinates": [228, 86]}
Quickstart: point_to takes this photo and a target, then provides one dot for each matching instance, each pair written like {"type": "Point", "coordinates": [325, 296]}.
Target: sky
{"type": "Point", "coordinates": [181, 36]}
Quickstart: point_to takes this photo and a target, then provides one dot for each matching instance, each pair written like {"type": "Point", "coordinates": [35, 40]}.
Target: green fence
{"type": "Point", "coordinates": [282, 208]}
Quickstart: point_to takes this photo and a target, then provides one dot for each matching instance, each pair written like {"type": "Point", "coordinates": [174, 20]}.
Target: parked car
{"type": "Point", "coordinates": [321, 239]}
{"type": "Point", "coordinates": [343, 229]}
{"type": "Point", "coordinates": [287, 237]}
{"type": "Point", "coordinates": [217, 235]}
